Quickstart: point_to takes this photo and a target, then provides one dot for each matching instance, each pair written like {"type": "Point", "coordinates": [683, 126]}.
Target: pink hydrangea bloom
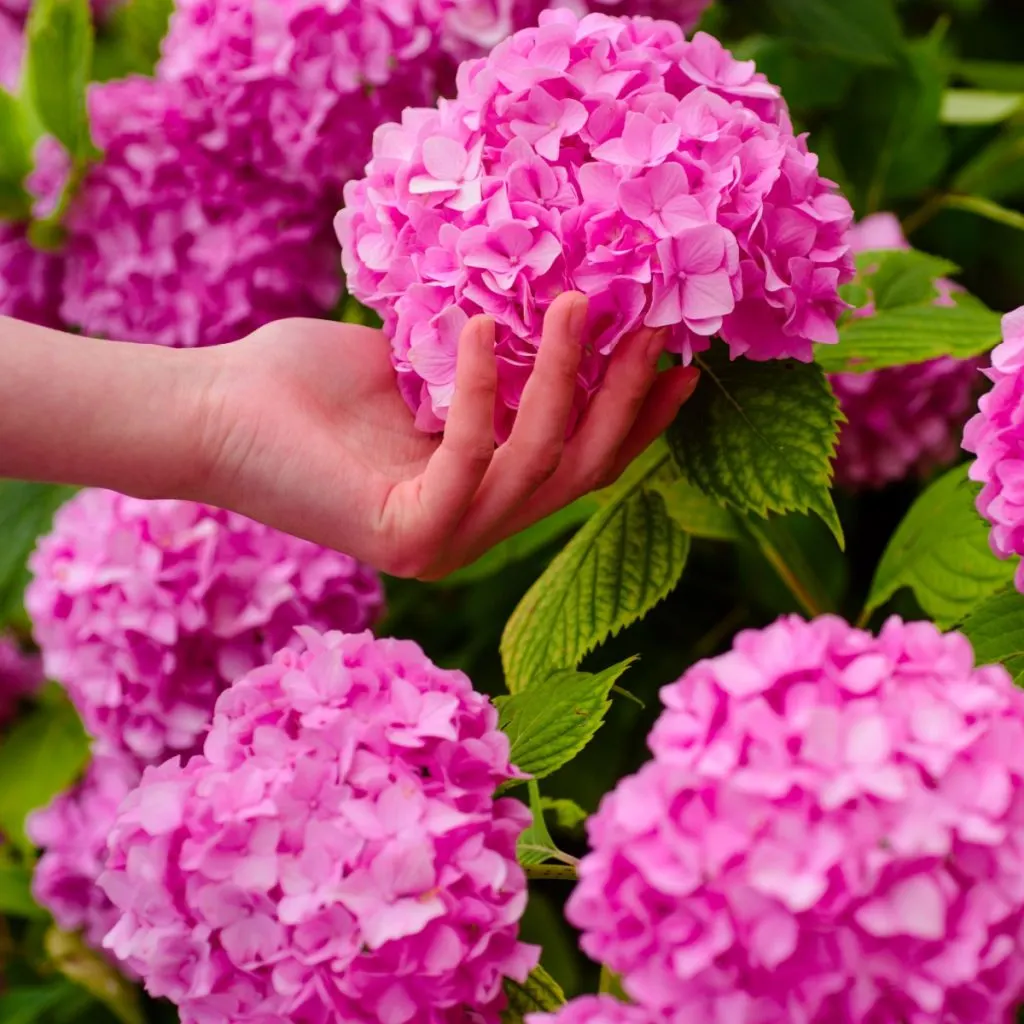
{"type": "Point", "coordinates": [73, 831]}
{"type": "Point", "coordinates": [904, 419]}
{"type": "Point", "coordinates": [175, 239]}
{"type": "Point", "coordinates": [659, 176]}
{"type": "Point", "coordinates": [146, 610]}
{"type": "Point", "coordinates": [300, 85]}
{"type": "Point", "coordinates": [996, 435]}
{"type": "Point", "coordinates": [831, 830]}
{"type": "Point", "coordinates": [30, 280]}
{"type": "Point", "coordinates": [20, 676]}
{"type": "Point", "coordinates": [595, 1010]}
{"type": "Point", "coordinates": [335, 854]}
{"type": "Point", "coordinates": [12, 45]}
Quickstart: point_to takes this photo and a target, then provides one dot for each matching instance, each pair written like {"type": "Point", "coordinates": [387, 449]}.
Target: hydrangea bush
{"type": "Point", "coordinates": [737, 740]}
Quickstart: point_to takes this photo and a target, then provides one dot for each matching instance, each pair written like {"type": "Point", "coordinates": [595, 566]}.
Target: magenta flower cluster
{"type": "Point", "coordinates": [602, 1009]}
{"type": "Point", "coordinates": [73, 832]}
{"type": "Point", "coordinates": [902, 420]}
{"type": "Point", "coordinates": [831, 830]}
{"type": "Point", "coordinates": [657, 175]}
{"type": "Point", "coordinates": [146, 610]}
{"type": "Point", "coordinates": [335, 854]}
{"type": "Point", "coordinates": [20, 676]}
{"type": "Point", "coordinates": [996, 436]}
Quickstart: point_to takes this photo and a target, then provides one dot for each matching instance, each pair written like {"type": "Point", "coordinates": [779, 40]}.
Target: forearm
{"type": "Point", "coordinates": [76, 410]}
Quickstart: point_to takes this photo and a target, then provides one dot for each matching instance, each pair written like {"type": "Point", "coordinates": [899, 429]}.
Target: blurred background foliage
{"type": "Point", "coordinates": [914, 106]}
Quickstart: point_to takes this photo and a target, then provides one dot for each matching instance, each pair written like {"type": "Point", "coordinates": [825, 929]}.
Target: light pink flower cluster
{"type": "Point", "coordinates": [146, 610]}
{"type": "Point", "coordinates": [178, 239]}
{"type": "Point", "coordinates": [658, 176]}
{"type": "Point", "coordinates": [20, 676]}
{"type": "Point", "coordinates": [336, 854]}
{"type": "Point", "coordinates": [831, 830]}
{"type": "Point", "coordinates": [73, 833]}
{"type": "Point", "coordinates": [300, 85]}
{"type": "Point", "coordinates": [12, 45]}
{"type": "Point", "coordinates": [996, 435]}
{"type": "Point", "coordinates": [904, 419]}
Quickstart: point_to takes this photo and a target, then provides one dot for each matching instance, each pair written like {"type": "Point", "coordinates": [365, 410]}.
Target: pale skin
{"type": "Point", "coordinates": [300, 425]}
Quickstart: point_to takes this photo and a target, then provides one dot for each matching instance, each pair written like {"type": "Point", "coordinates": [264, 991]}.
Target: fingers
{"type": "Point", "coordinates": [614, 410]}
{"type": "Point", "coordinates": [453, 475]}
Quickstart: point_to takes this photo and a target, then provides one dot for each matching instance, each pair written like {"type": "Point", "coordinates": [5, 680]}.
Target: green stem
{"type": "Point", "coordinates": [560, 872]}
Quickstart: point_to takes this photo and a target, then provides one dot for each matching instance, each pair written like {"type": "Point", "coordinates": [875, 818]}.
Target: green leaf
{"type": "Point", "coordinates": [549, 723]}
{"type": "Point", "coordinates": [42, 754]}
{"type": "Point", "coordinates": [696, 513]}
{"type": "Point", "coordinates": [95, 974]}
{"type": "Point", "coordinates": [15, 158]}
{"type": "Point", "coordinates": [996, 631]}
{"type": "Point", "coordinates": [911, 334]}
{"type": "Point", "coordinates": [779, 542]}
{"type": "Point", "coordinates": [30, 1004]}
{"type": "Point", "coordinates": [26, 511]}
{"type": "Point", "coordinates": [354, 312]}
{"type": "Point", "coordinates": [623, 561]}
{"type": "Point", "coordinates": [987, 208]}
{"type": "Point", "coordinates": [976, 106]}
{"type": "Point", "coordinates": [524, 544]}
{"type": "Point", "coordinates": [58, 61]}
{"type": "Point", "coordinates": [865, 31]}
{"type": "Point", "coordinates": [610, 984]}
{"type": "Point", "coordinates": [941, 552]}
{"type": "Point", "coordinates": [535, 845]}
{"type": "Point", "coordinates": [809, 80]}
{"type": "Point", "coordinates": [1003, 76]}
{"type": "Point", "coordinates": [16, 890]}
{"type": "Point", "coordinates": [540, 994]}
{"type": "Point", "coordinates": [567, 814]}
{"type": "Point", "coordinates": [997, 171]}
{"type": "Point", "coordinates": [760, 436]}
{"type": "Point", "coordinates": [895, 278]}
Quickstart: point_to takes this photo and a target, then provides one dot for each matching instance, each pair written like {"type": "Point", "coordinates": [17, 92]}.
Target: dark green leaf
{"type": "Point", "coordinates": [15, 158]}
{"type": "Point", "coordinates": [58, 62]}
{"type": "Point", "coordinates": [16, 890]}
{"type": "Point", "coordinates": [808, 79]}
{"type": "Point", "coordinates": [987, 208]}
{"type": "Point", "coordinates": [895, 278]}
{"type": "Point", "coordinates": [696, 513]}
{"type": "Point", "coordinates": [996, 630]}
{"type": "Point", "coordinates": [29, 1005]}
{"type": "Point", "coordinates": [540, 994]}
{"type": "Point", "coordinates": [550, 722]}
{"type": "Point", "coordinates": [941, 552]}
{"type": "Point", "coordinates": [865, 31]}
{"type": "Point", "coordinates": [45, 751]}
{"type": "Point", "coordinates": [911, 334]}
{"type": "Point", "coordinates": [1002, 76]}
{"type": "Point", "coordinates": [626, 559]}
{"type": "Point", "coordinates": [760, 436]}
{"type": "Point", "coordinates": [997, 171]}
{"type": "Point", "coordinates": [95, 974]}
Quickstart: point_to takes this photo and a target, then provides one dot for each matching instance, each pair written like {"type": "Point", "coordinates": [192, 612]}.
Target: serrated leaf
{"type": "Point", "coordinates": [540, 994]}
{"type": "Point", "coordinates": [940, 551]}
{"type": "Point", "coordinates": [524, 544]}
{"type": "Point", "coordinates": [92, 972]}
{"type": "Point", "coordinates": [621, 563]}
{"type": "Point", "coordinates": [911, 334]}
{"type": "Point", "coordinates": [978, 106]}
{"type": "Point", "coordinates": [996, 631]}
{"type": "Point", "coordinates": [60, 36]}
{"type": "Point", "coordinates": [550, 722]}
{"type": "Point", "coordinates": [696, 513]}
{"type": "Point", "coordinates": [865, 31]}
{"type": "Point", "coordinates": [760, 437]}
{"type": "Point", "coordinates": [535, 845]}
{"type": "Point", "coordinates": [16, 891]}
{"type": "Point", "coordinates": [898, 277]}
{"type": "Point", "coordinates": [45, 750]}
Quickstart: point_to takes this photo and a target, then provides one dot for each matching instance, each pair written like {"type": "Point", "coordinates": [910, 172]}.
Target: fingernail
{"type": "Point", "coordinates": [578, 317]}
{"type": "Point", "coordinates": [688, 382]}
{"type": "Point", "coordinates": [656, 344]}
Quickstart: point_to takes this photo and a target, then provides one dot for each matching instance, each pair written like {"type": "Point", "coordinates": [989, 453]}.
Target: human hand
{"type": "Point", "coordinates": [306, 431]}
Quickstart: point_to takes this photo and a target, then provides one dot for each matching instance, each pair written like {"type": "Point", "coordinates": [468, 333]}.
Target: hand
{"type": "Point", "coordinates": [305, 430]}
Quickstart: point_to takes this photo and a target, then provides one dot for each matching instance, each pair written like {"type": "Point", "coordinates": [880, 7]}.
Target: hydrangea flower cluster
{"type": "Point", "coordinates": [72, 832]}
{"type": "Point", "coordinates": [20, 676]}
{"type": "Point", "coordinates": [904, 419]}
{"type": "Point", "coordinates": [12, 44]}
{"type": "Point", "coordinates": [177, 240]}
{"type": "Point", "coordinates": [659, 176]}
{"type": "Point", "coordinates": [146, 610]}
{"type": "Point", "coordinates": [996, 436]}
{"type": "Point", "coordinates": [335, 854]}
{"type": "Point", "coordinates": [831, 830]}
{"type": "Point", "coordinates": [30, 280]}
{"type": "Point", "coordinates": [602, 1009]}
